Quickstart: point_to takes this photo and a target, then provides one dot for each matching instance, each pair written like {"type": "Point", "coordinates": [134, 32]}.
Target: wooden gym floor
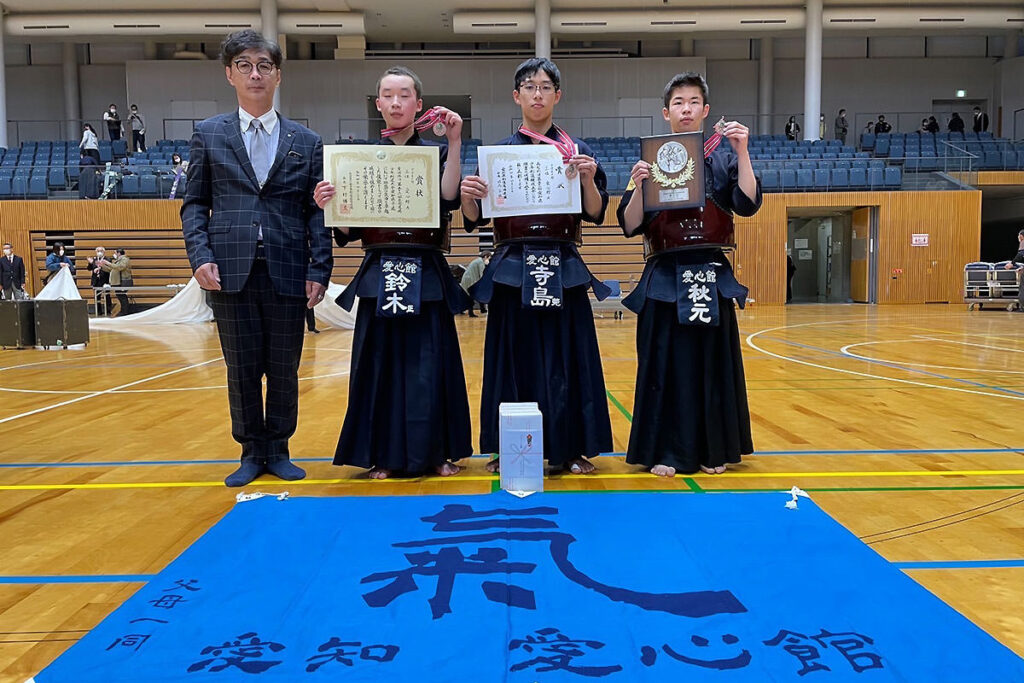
{"type": "Point", "coordinates": [903, 422]}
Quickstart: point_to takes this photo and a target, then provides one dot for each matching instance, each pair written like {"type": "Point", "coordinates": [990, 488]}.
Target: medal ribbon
{"type": "Point", "coordinates": [424, 122]}
{"type": "Point", "coordinates": [564, 144]}
{"type": "Point", "coordinates": [711, 143]}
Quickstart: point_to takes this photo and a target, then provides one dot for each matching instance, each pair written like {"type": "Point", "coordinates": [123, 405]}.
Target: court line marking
{"type": "Point", "coordinates": [492, 478]}
{"type": "Point", "coordinates": [78, 578]}
{"type": "Point", "coordinates": [960, 564]}
{"type": "Point", "coordinates": [846, 351]}
{"type": "Point", "coordinates": [984, 346]}
{"type": "Point", "coordinates": [753, 335]}
{"type": "Point", "coordinates": [78, 399]}
{"type": "Point", "coordinates": [755, 454]}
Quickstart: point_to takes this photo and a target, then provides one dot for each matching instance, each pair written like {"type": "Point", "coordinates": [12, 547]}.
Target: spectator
{"type": "Point", "coordinates": [56, 260]}
{"type": "Point", "coordinates": [870, 128]}
{"type": "Point", "coordinates": [822, 127]}
{"type": "Point", "coordinates": [90, 144]}
{"type": "Point", "coordinates": [120, 270]}
{"type": "Point", "coordinates": [956, 124]}
{"type": "Point", "coordinates": [933, 125]}
{"type": "Point", "coordinates": [99, 277]}
{"type": "Point", "coordinates": [841, 127]}
{"type": "Point", "coordinates": [980, 120]}
{"type": "Point", "coordinates": [113, 119]}
{"type": "Point", "coordinates": [473, 273]}
{"type": "Point", "coordinates": [792, 128]}
{"type": "Point", "coordinates": [12, 274]}
{"type": "Point", "coordinates": [882, 126]}
{"type": "Point", "coordinates": [138, 126]}
{"type": "Point", "coordinates": [924, 127]}
{"type": "Point", "coordinates": [178, 168]}
{"type": "Point", "coordinates": [177, 165]}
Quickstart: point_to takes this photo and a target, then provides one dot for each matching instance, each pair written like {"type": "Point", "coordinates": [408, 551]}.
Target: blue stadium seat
{"type": "Point", "coordinates": [858, 178]}
{"type": "Point", "coordinates": [105, 154]}
{"type": "Point", "coordinates": [844, 163]}
{"type": "Point", "coordinates": [5, 186]}
{"type": "Point", "coordinates": [991, 160]}
{"type": "Point", "coordinates": [821, 179]}
{"type": "Point", "coordinates": [19, 186]}
{"type": "Point", "coordinates": [839, 178]}
{"type": "Point", "coordinates": [867, 141]}
{"type": "Point", "coordinates": [37, 186]}
{"type": "Point", "coordinates": [55, 178]}
{"type": "Point", "coordinates": [876, 178]}
{"type": "Point", "coordinates": [825, 163]}
{"type": "Point", "coordinates": [769, 180]}
{"type": "Point", "coordinates": [876, 163]}
{"type": "Point", "coordinates": [119, 148]}
{"type": "Point", "coordinates": [1009, 159]}
{"type": "Point", "coordinates": [804, 179]}
{"type": "Point", "coordinates": [74, 172]}
{"type": "Point", "coordinates": [893, 178]}
{"type": "Point", "coordinates": [148, 186]}
{"type": "Point", "coordinates": [787, 179]}
{"type": "Point", "coordinates": [130, 186]}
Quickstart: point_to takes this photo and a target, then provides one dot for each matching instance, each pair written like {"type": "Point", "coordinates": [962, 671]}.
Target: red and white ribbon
{"type": "Point", "coordinates": [424, 122]}
{"type": "Point", "coordinates": [564, 143]}
{"type": "Point", "coordinates": [711, 143]}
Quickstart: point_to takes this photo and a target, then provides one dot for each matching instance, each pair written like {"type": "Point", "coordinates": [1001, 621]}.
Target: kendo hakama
{"type": "Point", "coordinates": [408, 411]}
{"type": "Point", "coordinates": [690, 405]}
{"type": "Point", "coordinates": [543, 353]}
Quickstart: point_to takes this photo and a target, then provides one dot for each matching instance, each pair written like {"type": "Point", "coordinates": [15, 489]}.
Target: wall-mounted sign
{"type": "Point", "coordinates": [919, 239]}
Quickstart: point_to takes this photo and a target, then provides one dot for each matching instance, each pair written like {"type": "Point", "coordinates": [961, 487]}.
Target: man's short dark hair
{"type": "Point", "coordinates": [842, 111]}
{"type": "Point", "coordinates": [881, 117]}
{"type": "Point", "coordinates": [402, 71]}
{"type": "Point", "coordinates": [687, 79]}
{"type": "Point", "coordinates": [977, 109]}
{"type": "Point", "coordinates": [238, 42]}
{"type": "Point", "coordinates": [531, 66]}
{"type": "Point", "coordinates": [121, 250]}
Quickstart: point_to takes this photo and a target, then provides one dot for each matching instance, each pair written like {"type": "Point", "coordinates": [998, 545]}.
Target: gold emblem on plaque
{"type": "Point", "coordinates": [672, 160]}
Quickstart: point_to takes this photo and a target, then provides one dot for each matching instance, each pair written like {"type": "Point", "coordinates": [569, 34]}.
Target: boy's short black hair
{"type": "Point", "coordinates": [533, 65]}
{"type": "Point", "coordinates": [686, 79]}
{"type": "Point", "coordinates": [402, 71]}
{"type": "Point", "coordinates": [238, 42]}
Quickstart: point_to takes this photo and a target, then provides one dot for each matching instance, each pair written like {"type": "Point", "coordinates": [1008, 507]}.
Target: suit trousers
{"type": "Point", "coordinates": [261, 336]}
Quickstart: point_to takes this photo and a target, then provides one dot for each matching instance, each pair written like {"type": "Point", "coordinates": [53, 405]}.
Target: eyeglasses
{"type": "Point", "coordinates": [245, 68]}
{"type": "Point", "coordinates": [531, 88]}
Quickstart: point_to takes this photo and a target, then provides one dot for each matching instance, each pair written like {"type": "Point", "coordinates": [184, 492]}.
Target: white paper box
{"type": "Point", "coordinates": [521, 447]}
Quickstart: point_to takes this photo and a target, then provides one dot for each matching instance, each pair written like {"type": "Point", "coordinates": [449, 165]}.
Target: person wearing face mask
{"type": "Point", "coordinates": [56, 260]}
{"type": "Point", "coordinates": [138, 126]}
{"type": "Point", "coordinates": [408, 410]}
{"type": "Point", "coordinates": [98, 277]}
{"type": "Point", "coordinates": [120, 273]}
{"type": "Point", "coordinates": [690, 408]}
{"type": "Point", "coordinates": [12, 274]}
{"type": "Point", "coordinates": [113, 119]}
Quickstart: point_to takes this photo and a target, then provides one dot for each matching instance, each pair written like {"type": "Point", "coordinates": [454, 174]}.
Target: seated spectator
{"type": "Point", "coordinates": [956, 124]}
{"type": "Point", "coordinates": [933, 125]}
{"type": "Point", "coordinates": [924, 127]}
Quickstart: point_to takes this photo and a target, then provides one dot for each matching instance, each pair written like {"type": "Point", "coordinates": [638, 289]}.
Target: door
{"type": "Point", "coordinates": [861, 249]}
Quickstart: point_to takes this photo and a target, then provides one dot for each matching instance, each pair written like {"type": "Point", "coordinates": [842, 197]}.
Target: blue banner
{"type": "Point", "coordinates": [555, 587]}
{"type": "Point", "coordinates": [401, 283]}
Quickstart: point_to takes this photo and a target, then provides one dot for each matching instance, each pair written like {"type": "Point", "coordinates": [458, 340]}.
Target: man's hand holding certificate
{"type": "Point", "coordinates": [383, 186]}
{"type": "Point", "coordinates": [527, 180]}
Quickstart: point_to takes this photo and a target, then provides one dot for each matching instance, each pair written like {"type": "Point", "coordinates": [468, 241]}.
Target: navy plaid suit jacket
{"type": "Point", "coordinates": [224, 207]}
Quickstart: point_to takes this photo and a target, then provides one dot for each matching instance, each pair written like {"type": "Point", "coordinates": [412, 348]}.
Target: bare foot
{"type": "Point", "coordinates": [713, 470]}
{"type": "Point", "coordinates": [448, 469]}
{"type": "Point", "coordinates": [720, 469]}
{"type": "Point", "coordinates": [663, 471]}
{"type": "Point", "coordinates": [492, 466]}
{"type": "Point", "coordinates": [580, 465]}
{"type": "Point", "coordinates": [378, 473]}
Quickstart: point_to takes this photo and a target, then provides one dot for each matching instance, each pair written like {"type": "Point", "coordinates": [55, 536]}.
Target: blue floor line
{"type": "Point", "coordinates": [227, 461]}
{"type": "Point", "coordinates": [964, 564]}
{"type": "Point", "coordinates": [91, 578]}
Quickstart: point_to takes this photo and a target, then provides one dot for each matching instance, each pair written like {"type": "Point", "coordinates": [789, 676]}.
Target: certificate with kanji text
{"type": "Point", "coordinates": [526, 180]}
{"type": "Point", "coordinates": [383, 186]}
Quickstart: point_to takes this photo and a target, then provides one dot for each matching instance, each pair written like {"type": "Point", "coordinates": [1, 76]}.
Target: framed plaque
{"type": "Point", "coordinates": [383, 186]}
{"type": "Point", "coordinates": [677, 171]}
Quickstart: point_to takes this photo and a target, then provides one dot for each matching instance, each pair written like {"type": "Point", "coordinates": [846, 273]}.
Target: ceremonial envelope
{"type": "Point", "coordinates": [383, 186]}
{"type": "Point", "coordinates": [526, 180]}
{"type": "Point", "coordinates": [677, 171]}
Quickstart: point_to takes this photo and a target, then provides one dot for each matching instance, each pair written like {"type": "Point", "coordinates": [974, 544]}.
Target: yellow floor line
{"type": "Point", "coordinates": [487, 478]}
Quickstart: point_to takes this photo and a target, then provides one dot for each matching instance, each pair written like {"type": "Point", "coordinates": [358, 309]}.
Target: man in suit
{"type": "Point", "coordinates": [257, 242]}
{"type": "Point", "coordinates": [12, 273]}
{"type": "Point", "coordinates": [980, 120]}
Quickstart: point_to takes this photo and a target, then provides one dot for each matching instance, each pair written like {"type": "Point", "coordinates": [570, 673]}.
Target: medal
{"type": "Point", "coordinates": [720, 126]}
{"type": "Point", "coordinates": [716, 139]}
{"type": "Point", "coordinates": [431, 120]}
{"type": "Point", "coordinates": [440, 129]}
{"type": "Point", "coordinates": [571, 171]}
